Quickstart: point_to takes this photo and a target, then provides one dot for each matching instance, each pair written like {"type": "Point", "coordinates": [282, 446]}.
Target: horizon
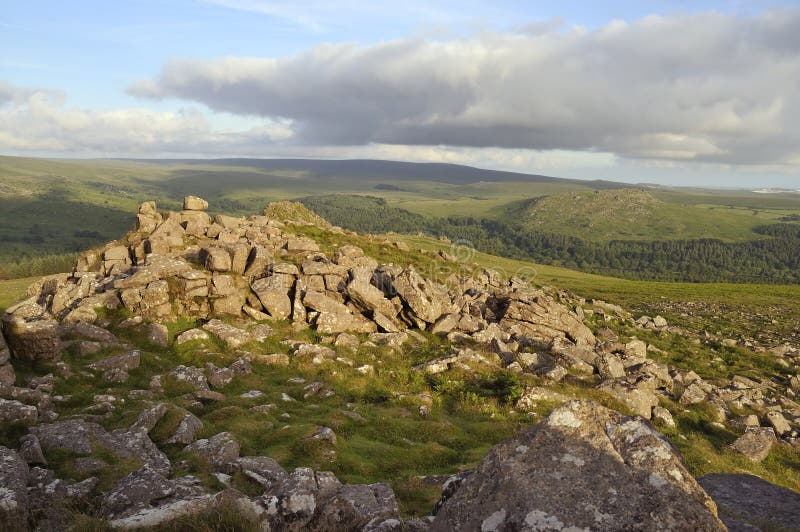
{"type": "Point", "coordinates": [741, 188]}
{"type": "Point", "coordinates": [576, 91]}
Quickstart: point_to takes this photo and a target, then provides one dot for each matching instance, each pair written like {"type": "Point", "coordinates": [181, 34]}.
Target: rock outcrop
{"type": "Point", "coordinates": [583, 468]}
{"type": "Point", "coordinates": [186, 264]}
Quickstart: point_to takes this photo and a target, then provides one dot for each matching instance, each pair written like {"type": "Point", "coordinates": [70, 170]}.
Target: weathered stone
{"type": "Point", "coordinates": [84, 438]}
{"type": "Point", "coordinates": [273, 292]}
{"type": "Point", "coordinates": [32, 340]}
{"type": "Point", "coordinates": [13, 489]}
{"type": "Point", "coordinates": [31, 451]}
{"type": "Point", "coordinates": [301, 245]}
{"type": "Point", "coordinates": [275, 359]}
{"type": "Point", "coordinates": [232, 336]}
{"type": "Point", "coordinates": [532, 396]}
{"type": "Point", "coordinates": [157, 334]}
{"type": "Point", "coordinates": [191, 335]}
{"type": "Point", "coordinates": [693, 394]}
{"type": "Point", "coordinates": [125, 361]}
{"type": "Point", "coordinates": [747, 502]}
{"type": "Point", "coordinates": [369, 299]}
{"type": "Point", "coordinates": [755, 443]}
{"type": "Point", "coordinates": [541, 318]}
{"type": "Point", "coordinates": [534, 361]}
{"type": "Point", "coordinates": [352, 507]}
{"type": "Point", "coordinates": [291, 503]}
{"type": "Point", "coordinates": [640, 401]}
{"type": "Point", "coordinates": [149, 418]}
{"type": "Point", "coordinates": [138, 490]}
{"type": "Point", "coordinates": [445, 324]}
{"type": "Point", "coordinates": [325, 434]}
{"type": "Point", "coordinates": [218, 450]}
{"type": "Point", "coordinates": [187, 429]}
{"type": "Point", "coordinates": [610, 367]}
{"type": "Point", "coordinates": [663, 416]}
{"type": "Point", "coordinates": [779, 423]}
{"type": "Point", "coordinates": [168, 513]}
{"type": "Point", "coordinates": [620, 473]}
{"type": "Point", "coordinates": [217, 259]}
{"type": "Point", "coordinates": [261, 332]}
{"type": "Point", "coordinates": [193, 203]}
{"type": "Point", "coordinates": [334, 317]}
{"type": "Point", "coordinates": [191, 375]}
{"type": "Point", "coordinates": [261, 469]}
{"type": "Point", "coordinates": [426, 299]}
{"type": "Point", "coordinates": [218, 377]}
{"type": "Point", "coordinates": [7, 375]}
{"type": "Point", "coordinates": [12, 411]}
{"type": "Point", "coordinates": [228, 306]}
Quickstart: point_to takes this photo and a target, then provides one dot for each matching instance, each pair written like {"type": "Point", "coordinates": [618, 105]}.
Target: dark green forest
{"type": "Point", "coordinates": [774, 259]}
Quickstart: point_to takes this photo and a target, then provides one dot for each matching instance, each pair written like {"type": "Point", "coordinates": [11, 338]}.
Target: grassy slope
{"type": "Point", "coordinates": [633, 214]}
{"type": "Point", "coordinates": [13, 290]}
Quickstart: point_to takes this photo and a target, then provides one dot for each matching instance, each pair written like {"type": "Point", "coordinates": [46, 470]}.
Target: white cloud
{"type": "Point", "coordinates": [706, 87]}
{"type": "Point", "coordinates": [39, 121]}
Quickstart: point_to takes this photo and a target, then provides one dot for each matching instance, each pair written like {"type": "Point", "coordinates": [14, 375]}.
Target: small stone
{"type": "Point", "coordinates": [663, 416]}
{"type": "Point", "coordinates": [157, 334]}
{"type": "Point", "coordinates": [193, 203]}
{"type": "Point", "coordinates": [187, 428]}
{"type": "Point", "coordinates": [325, 434]}
{"type": "Point", "coordinates": [191, 335]}
{"type": "Point", "coordinates": [31, 451]}
{"type": "Point", "coordinates": [756, 443]}
{"type": "Point", "coordinates": [779, 423]}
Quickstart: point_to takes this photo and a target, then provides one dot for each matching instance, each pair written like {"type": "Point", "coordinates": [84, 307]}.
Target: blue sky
{"type": "Point", "coordinates": [228, 77]}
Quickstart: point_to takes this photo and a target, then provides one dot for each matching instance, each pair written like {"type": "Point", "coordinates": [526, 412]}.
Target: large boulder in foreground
{"type": "Point", "coordinates": [747, 502]}
{"type": "Point", "coordinates": [585, 467]}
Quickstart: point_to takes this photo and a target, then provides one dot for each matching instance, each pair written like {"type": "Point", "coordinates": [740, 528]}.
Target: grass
{"type": "Point", "coordinates": [633, 214]}
{"type": "Point", "coordinates": [13, 290]}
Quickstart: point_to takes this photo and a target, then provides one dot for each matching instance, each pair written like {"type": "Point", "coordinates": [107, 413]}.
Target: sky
{"type": "Point", "coordinates": [699, 93]}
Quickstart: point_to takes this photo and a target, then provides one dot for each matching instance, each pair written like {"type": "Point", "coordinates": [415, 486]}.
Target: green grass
{"type": "Point", "coordinates": [633, 214]}
{"type": "Point", "coordinates": [13, 290]}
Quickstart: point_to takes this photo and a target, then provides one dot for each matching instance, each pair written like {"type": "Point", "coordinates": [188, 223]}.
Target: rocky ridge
{"type": "Point", "coordinates": [237, 276]}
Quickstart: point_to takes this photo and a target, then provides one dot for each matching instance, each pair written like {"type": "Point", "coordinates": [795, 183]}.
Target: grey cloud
{"type": "Point", "coordinates": [705, 87]}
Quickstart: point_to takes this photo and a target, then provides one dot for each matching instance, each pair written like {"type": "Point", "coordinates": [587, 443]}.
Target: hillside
{"type": "Point", "coordinates": [246, 361]}
{"type": "Point", "coordinates": [632, 214]}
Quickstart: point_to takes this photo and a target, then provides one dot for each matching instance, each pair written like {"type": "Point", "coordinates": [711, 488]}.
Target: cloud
{"type": "Point", "coordinates": [706, 87]}
{"type": "Point", "coordinates": [35, 120]}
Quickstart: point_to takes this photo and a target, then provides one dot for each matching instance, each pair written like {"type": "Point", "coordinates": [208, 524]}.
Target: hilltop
{"type": "Point", "coordinates": [630, 214]}
{"type": "Point", "coordinates": [277, 371]}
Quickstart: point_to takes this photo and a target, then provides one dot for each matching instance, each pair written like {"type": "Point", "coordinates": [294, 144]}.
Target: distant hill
{"type": "Point", "coordinates": [391, 171]}
{"type": "Point", "coordinates": [630, 214]}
